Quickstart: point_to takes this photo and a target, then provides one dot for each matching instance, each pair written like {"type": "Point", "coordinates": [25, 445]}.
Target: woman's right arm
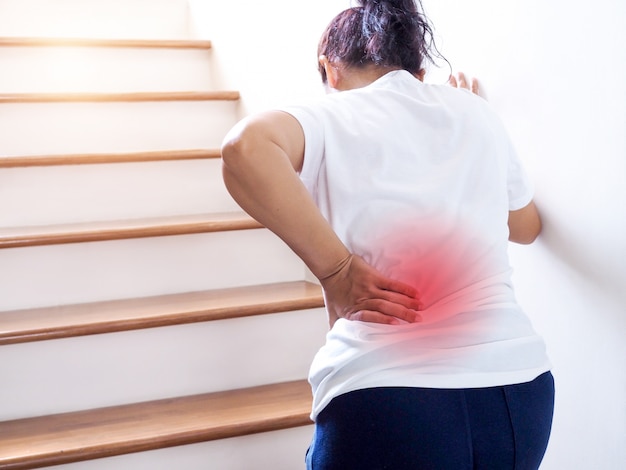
{"type": "Point", "coordinates": [260, 158]}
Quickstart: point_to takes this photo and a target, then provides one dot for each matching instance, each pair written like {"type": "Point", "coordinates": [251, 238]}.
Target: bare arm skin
{"type": "Point", "coordinates": [261, 157]}
{"type": "Point", "coordinates": [524, 224]}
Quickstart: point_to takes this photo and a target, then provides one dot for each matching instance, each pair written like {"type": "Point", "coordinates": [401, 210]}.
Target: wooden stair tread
{"type": "Point", "coordinates": [11, 98]}
{"type": "Point", "coordinates": [92, 158]}
{"type": "Point", "coordinates": [104, 42]}
{"type": "Point", "coordinates": [14, 237]}
{"type": "Point", "coordinates": [84, 435]}
{"type": "Point", "coordinates": [19, 326]}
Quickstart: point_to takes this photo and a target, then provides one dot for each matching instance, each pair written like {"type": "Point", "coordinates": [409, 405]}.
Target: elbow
{"type": "Point", "coordinates": [525, 237]}
{"type": "Point", "coordinates": [524, 225]}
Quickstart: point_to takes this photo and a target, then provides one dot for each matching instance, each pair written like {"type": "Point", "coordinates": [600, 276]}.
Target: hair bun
{"type": "Point", "coordinates": [386, 33]}
{"type": "Point", "coordinates": [408, 6]}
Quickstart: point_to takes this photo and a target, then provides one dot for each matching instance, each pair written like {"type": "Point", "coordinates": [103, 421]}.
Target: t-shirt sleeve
{"type": "Point", "coordinates": [520, 187]}
{"type": "Point", "coordinates": [313, 145]}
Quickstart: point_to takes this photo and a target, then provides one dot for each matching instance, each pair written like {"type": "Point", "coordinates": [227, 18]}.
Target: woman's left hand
{"type": "Point", "coordinates": [460, 81]}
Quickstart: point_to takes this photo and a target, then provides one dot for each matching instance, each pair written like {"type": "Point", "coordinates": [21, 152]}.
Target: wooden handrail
{"type": "Point", "coordinates": [9, 98]}
{"type": "Point", "coordinates": [39, 324]}
{"type": "Point", "coordinates": [104, 432]}
{"type": "Point", "coordinates": [93, 158]}
{"type": "Point", "coordinates": [104, 42]}
{"type": "Point", "coordinates": [125, 229]}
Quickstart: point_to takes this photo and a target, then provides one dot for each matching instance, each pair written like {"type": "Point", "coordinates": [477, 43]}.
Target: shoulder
{"type": "Point", "coordinates": [324, 110]}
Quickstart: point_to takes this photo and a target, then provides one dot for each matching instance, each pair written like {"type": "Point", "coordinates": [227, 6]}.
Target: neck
{"type": "Point", "coordinates": [351, 78]}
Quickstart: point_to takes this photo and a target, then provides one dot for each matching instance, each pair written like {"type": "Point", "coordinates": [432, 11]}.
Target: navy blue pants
{"type": "Point", "coordinates": [397, 428]}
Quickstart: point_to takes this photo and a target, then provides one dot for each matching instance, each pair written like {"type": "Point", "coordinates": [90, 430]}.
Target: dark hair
{"type": "Point", "coordinates": [389, 33]}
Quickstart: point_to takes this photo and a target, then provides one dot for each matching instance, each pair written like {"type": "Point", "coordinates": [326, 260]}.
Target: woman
{"type": "Point", "coordinates": [401, 198]}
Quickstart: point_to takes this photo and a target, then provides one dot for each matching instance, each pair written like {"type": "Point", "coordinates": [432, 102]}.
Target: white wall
{"type": "Point", "coordinates": [267, 50]}
{"type": "Point", "coordinates": [555, 72]}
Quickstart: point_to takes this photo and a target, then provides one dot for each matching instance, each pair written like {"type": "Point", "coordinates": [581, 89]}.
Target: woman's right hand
{"type": "Point", "coordinates": [358, 292]}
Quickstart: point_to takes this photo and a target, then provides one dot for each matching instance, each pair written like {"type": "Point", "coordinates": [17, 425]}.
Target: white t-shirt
{"type": "Point", "coordinates": [418, 179]}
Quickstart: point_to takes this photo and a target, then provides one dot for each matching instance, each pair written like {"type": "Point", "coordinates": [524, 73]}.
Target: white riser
{"type": "Point", "coordinates": [278, 450]}
{"type": "Point", "coordinates": [93, 18]}
{"type": "Point", "coordinates": [58, 128]}
{"type": "Point", "coordinates": [105, 70]}
{"type": "Point", "coordinates": [89, 272]}
{"type": "Point", "coordinates": [133, 366]}
{"type": "Point", "coordinates": [66, 194]}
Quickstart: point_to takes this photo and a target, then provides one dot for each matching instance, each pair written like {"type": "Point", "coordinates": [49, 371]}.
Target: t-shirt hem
{"type": "Point", "coordinates": [440, 381]}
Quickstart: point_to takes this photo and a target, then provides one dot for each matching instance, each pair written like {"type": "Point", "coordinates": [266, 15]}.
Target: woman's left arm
{"type": "Point", "coordinates": [261, 157]}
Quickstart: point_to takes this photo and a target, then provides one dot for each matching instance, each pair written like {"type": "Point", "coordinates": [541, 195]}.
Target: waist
{"type": "Point", "coordinates": [470, 349]}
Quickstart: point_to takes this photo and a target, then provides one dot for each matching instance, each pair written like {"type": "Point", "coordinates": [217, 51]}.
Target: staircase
{"type": "Point", "coordinates": [146, 322]}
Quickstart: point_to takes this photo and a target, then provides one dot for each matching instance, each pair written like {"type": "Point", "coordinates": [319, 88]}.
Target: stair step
{"type": "Point", "coordinates": [12, 98]}
{"type": "Point", "coordinates": [276, 450]}
{"type": "Point", "coordinates": [93, 158]}
{"type": "Point", "coordinates": [104, 42]}
{"type": "Point", "coordinates": [114, 18]}
{"type": "Point", "coordinates": [55, 195]}
{"type": "Point", "coordinates": [75, 273]}
{"type": "Point", "coordinates": [115, 69]}
{"type": "Point", "coordinates": [75, 127]}
{"type": "Point", "coordinates": [86, 372]}
{"type": "Point", "coordinates": [124, 229]}
{"type": "Point", "coordinates": [20, 326]}
{"type": "Point", "coordinates": [86, 435]}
